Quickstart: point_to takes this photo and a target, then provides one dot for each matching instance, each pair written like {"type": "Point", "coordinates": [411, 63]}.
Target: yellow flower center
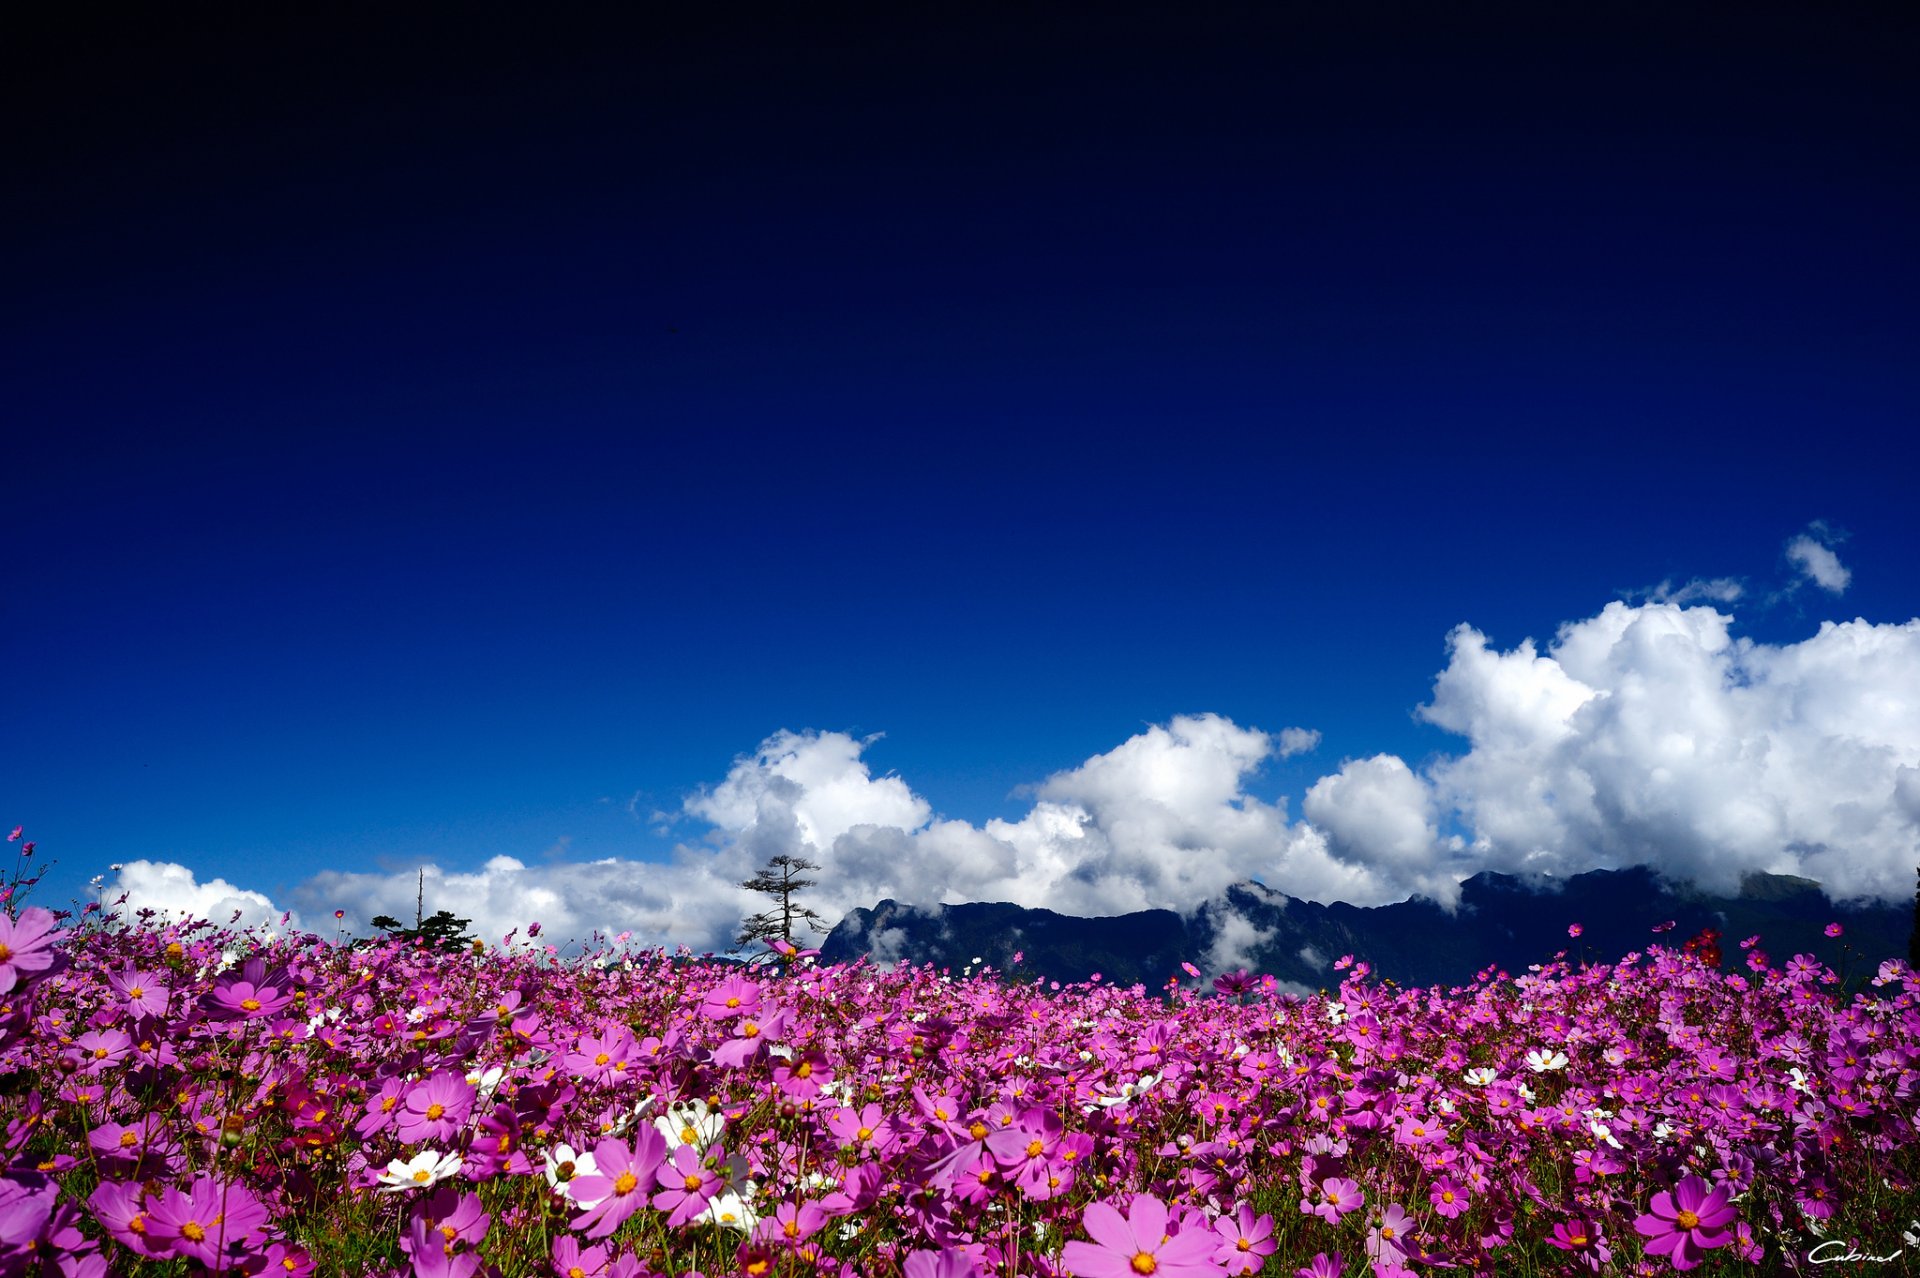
{"type": "Point", "coordinates": [692, 1183]}
{"type": "Point", "coordinates": [734, 1001]}
{"type": "Point", "coordinates": [129, 1139]}
{"type": "Point", "coordinates": [193, 1230]}
{"type": "Point", "coordinates": [625, 1184]}
{"type": "Point", "coordinates": [435, 1110]}
{"type": "Point", "coordinates": [135, 992]}
{"type": "Point", "coordinates": [978, 1131]}
{"type": "Point", "coordinates": [803, 1070]}
{"type": "Point", "coordinates": [251, 1004]}
{"type": "Point", "coordinates": [601, 1058]}
{"type": "Point", "coordinates": [865, 1133]}
{"type": "Point", "coordinates": [688, 1135]}
{"type": "Point", "coordinates": [1687, 1220]}
{"type": "Point", "coordinates": [1144, 1263]}
{"type": "Point", "coordinates": [1578, 1240]}
{"type": "Point", "coordinates": [1035, 1148]}
{"type": "Point", "coordinates": [422, 1176]}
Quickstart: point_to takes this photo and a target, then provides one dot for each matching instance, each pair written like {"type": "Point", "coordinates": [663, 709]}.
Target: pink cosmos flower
{"type": "Point", "coordinates": [26, 946]}
{"type": "Point", "coordinates": [948, 1262]}
{"type": "Point", "coordinates": [735, 996]}
{"type": "Point", "coordinates": [1834, 929]}
{"type": "Point", "coordinates": [1687, 1222]}
{"type": "Point", "coordinates": [1585, 1240]}
{"type": "Point", "coordinates": [1387, 1241]}
{"type": "Point", "coordinates": [435, 1109]}
{"type": "Point", "coordinates": [210, 1222]}
{"type": "Point", "coordinates": [1321, 1266]}
{"type": "Point", "coordinates": [1246, 1240]}
{"type": "Point", "coordinates": [790, 1224]}
{"type": "Point", "coordinates": [245, 998]}
{"type": "Point", "coordinates": [144, 993]}
{"type": "Point", "coordinates": [100, 1050]}
{"type": "Point", "coordinates": [1448, 1197]}
{"type": "Point", "coordinates": [865, 1130]}
{"type": "Point", "coordinates": [617, 1186]}
{"type": "Point", "coordinates": [687, 1181]}
{"type": "Point", "coordinates": [1137, 1244]}
{"type": "Point", "coordinates": [799, 1077]}
{"type": "Point", "coordinates": [445, 1228]}
{"type": "Point", "coordinates": [1338, 1195]}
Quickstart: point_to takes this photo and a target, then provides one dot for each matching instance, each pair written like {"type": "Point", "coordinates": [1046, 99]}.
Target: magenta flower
{"type": "Point", "coordinates": [617, 1186]}
{"type": "Point", "coordinates": [735, 996]}
{"type": "Point", "coordinates": [1338, 1195]}
{"type": "Point", "coordinates": [1246, 1241]}
{"type": "Point", "coordinates": [435, 1108]}
{"type": "Point", "coordinates": [1584, 1240]}
{"type": "Point", "coordinates": [1137, 1243]}
{"type": "Point", "coordinates": [244, 998]}
{"type": "Point", "coordinates": [948, 1262]}
{"type": "Point", "coordinates": [1687, 1222]}
{"type": "Point", "coordinates": [1574, 929]}
{"type": "Point", "coordinates": [1026, 1151]}
{"type": "Point", "coordinates": [26, 946]}
{"type": "Point", "coordinates": [791, 1224]}
{"type": "Point", "coordinates": [210, 1222]}
{"type": "Point", "coordinates": [1834, 929]}
{"type": "Point", "coordinates": [864, 1130]}
{"type": "Point", "coordinates": [1321, 1266]}
{"type": "Point", "coordinates": [444, 1230]}
{"type": "Point", "coordinates": [143, 993]}
{"type": "Point", "coordinates": [1387, 1241]}
{"type": "Point", "coordinates": [687, 1182]}
{"type": "Point", "coordinates": [1449, 1198]}
{"type": "Point", "coordinates": [571, 1260]}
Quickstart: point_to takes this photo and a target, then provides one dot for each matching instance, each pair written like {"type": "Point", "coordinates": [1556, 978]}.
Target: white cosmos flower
{"type": "Point", "coordinates": [1336, 1012]}
{"type": "Point", "coordinates": [690, 1123]}
{"type": "Point", "coordinates": [1480, 1075]}
{"type": "Point", "coordinates": [1797, 1080]}
{"type": "Point", "coordinates": [564, 1166]}
{"type": "Point", "coordinates": [422, 1170]}
{"type": "Point", "coordinates": [1539, 1060]}
{"type": "Point", "coordinates": [1127, 1092]}
{"type": "Point", "coordinates": [733, 1210]}
{"type": "Point", "coordinates": [1601, 1132]}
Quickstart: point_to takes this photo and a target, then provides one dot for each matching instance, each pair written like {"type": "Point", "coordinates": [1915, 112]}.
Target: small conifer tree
{"type": "Point", "coordinates": [779, 878]}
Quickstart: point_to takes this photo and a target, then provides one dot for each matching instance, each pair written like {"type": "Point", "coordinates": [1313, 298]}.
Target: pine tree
{"type": "Point", "coordinates": [779, 878]}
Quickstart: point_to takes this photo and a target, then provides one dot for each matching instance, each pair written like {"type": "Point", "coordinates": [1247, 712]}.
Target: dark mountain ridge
{"type": "Point", "coordinates": [1502, 921]}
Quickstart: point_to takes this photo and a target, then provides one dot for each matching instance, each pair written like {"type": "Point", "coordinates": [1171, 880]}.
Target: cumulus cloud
{"type": "Point", "coordinates": [173, 891]}
{"type": "Point", "coordinates": [1811, 553]}
{"type": "Point", "coordinates": [1646, 733]}
{"type": "Point", "coordinates": [1652, 735]}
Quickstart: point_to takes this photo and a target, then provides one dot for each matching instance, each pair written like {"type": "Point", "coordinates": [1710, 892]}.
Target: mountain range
{"type": "Point", "coordinates": [1501, 921]}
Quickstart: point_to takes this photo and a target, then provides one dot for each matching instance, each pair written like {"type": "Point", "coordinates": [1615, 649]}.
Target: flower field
{"type": "Point", "coordinates": [184, 1099]}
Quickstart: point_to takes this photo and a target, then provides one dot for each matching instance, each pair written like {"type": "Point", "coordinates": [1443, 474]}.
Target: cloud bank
{"type": "Point", "coordinates": [1647, 733]}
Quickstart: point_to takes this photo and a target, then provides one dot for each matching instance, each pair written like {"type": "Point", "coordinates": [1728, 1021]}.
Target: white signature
{"type": "Point", "coordinates": [1823, 1255]}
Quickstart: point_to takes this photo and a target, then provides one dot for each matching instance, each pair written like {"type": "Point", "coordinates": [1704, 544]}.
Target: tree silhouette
{"type": "Point", "coordinates": [440, 930]}
{"type": "Point", "coordinates": [779, 878]}
{"type": "Point", "coordinates": [1913, 938]}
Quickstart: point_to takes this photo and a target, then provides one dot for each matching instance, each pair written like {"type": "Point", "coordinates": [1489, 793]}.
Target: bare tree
{"type": "Point", "coordinates": [779, 878]}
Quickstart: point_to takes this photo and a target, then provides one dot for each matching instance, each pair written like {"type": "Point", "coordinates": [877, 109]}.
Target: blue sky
{"type": "Point", "coordinates": [474, 445]}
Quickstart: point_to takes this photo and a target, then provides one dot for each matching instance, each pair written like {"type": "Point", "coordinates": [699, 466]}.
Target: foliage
{"type": "Point", "coordinates": [780, 878]}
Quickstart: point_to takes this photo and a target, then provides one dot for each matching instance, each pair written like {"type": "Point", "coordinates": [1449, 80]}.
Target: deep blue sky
{"type": "Point", "coordinates": [422, 441]}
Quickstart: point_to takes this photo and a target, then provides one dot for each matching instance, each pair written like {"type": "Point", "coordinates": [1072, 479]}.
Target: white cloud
{"type": "Point", "coordinates": [1646, 733]}
{"type": "Point", "coordinates": [172, 890]}
{"type": "Point", "coordinates": [1236, 942]}
{"type": "Point", "coordinates": [1723, 590]}
{"type": "Point", "coordinates": [1297, 741]}
{"type": "Point", "coordinates": [1650, 735]}
{"type": "Point", "coordinates": [1812, 554]}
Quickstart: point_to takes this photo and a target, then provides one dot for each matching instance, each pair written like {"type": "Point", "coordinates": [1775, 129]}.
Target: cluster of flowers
{"type": "Point", "coordinates": [286, 1105]}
